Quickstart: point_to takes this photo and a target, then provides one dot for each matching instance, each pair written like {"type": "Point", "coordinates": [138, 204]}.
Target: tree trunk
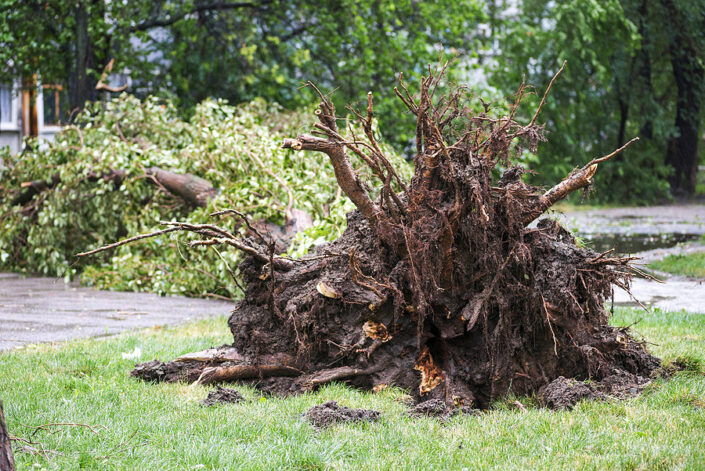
{"type": "Point", "coordinates": [7, 462]}
{"type": "Point", "coordinates": [81, 85]}
{"type": "Point", "coordinates": [689, 74]}
{"type": "Point", "coordinates": [192, 189]}
{"type": "Point", "coordinates": [647, 128]}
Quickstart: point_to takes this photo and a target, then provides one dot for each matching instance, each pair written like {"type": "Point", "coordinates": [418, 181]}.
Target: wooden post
{"type": "Point", "coordinates": [7, 462]}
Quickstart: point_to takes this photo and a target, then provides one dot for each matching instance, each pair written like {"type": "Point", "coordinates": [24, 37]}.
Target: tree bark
{"type": "Point", "coordinates": [689, 74]}
{"type": "Point", "coordinates": [81, 85]}
{"type": "Point", "coordinates": [7, 462]}
{"type": "Point", "coordinates": [190, 188]}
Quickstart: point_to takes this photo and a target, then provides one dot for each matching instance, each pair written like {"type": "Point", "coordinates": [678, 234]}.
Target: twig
{"type": "Point", "coordinates": [545, 94]}
{"type": "Point", "coordinates": [609, 156]}
{"type": "Point", "coordinates": [45, 427]}
{"type": "Point", "coordinates": [102, 86]}
{"type": "Point", "coordinates": [230, 270]}
{"type": "Point", "coordinates": [593, 260]}
{"type": "Point", "coordinates": [246, 220]}
{"type": "Point", "coordinates": [548, 319]}
{"type": "Point", "coordinates": [127, 241]}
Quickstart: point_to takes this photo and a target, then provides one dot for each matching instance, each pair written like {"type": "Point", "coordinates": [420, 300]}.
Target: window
{"type": "Point", "coordinates": [55, 102]}
{"type": "Point", "coordinates": [6, 104]}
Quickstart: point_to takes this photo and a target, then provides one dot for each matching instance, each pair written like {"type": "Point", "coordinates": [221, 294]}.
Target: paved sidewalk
{"type": "Point", "coordinates": [665, 223]}
{"type": "Point", "coordinates": [35, 310]}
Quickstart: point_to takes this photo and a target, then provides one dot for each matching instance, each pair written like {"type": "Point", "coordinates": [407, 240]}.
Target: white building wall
{"type": "Point", "coordinates": [11, 129]}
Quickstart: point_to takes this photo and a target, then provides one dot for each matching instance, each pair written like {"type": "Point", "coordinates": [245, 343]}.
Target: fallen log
{"type": "Point", "coordinates": [191, 189]}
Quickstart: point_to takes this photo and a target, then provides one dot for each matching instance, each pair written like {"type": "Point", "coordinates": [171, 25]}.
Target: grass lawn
{"type": "Point", "coordinates": [161, 427]}
{"type": "Point", "coordinates": [692, 265]}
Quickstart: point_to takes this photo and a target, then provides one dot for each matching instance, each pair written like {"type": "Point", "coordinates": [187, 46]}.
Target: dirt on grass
{"type": "Point", "coordinates": [223, 396]}
{"type": "Point", "coordinates": [329, 413]}
{"type": "Point", "coordinates": [563, 393]}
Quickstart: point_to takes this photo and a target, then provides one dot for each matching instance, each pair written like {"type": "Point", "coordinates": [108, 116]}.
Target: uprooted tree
{"type": "Point", "coordinates": [440, 285]}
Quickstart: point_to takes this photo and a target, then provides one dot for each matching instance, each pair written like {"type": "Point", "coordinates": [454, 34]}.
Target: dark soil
{"type": "Point", "coordinates": [223, 396]}
{"type": "Point", "coordinates": [562, 393]}
{"type": "Point", "coordinates": [439, 409]}
{"type": "Point", "coordinates": [432, 408]}
{"type": "Point", "coordinates": [157, 371]}
{"type": "Point", "coordinates": [330, 413]}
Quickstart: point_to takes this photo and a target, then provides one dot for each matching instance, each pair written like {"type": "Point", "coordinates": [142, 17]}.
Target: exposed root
{"type": "Point", "coordinates": [437, 285]}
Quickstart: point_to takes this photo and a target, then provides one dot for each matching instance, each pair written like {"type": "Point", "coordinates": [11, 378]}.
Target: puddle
{"type": "Point", "coordinates": [634, 243]}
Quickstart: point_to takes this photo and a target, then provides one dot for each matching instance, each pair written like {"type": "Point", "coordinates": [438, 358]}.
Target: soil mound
{"type": "Point", "coordinates": [223, 396]}
{"type": "Point", "coordinates": [330, 413]}
{"type": "Point", "coordinates": [562, 393]}
{"type": "Point", "coordinates": [441, 284]}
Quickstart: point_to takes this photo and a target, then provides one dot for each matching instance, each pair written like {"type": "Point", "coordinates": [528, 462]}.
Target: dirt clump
{"type": "Point", "coordinates": [622, 384]}
{"type": "Point", "coordinates": [562, 393]}
{"type": "Point", "coordinates": [329, 413]}
{"type": "Point", "coordinates": [222, 395]}
{"type": "Point", "coordinates": [158, 371]}
{"type": "Point", "coordinates": [432, 408]}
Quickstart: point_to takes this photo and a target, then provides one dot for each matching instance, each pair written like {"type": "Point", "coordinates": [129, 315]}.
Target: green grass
{"type": "Point", "coordinates": [160, 427]}
{"type": "Point", "coordinates": [692, 265]}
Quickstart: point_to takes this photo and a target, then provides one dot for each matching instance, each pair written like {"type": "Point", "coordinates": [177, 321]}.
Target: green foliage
{"type": "Point", "coordinates": [235, 148]}
{"type": "Point", "coordinates": [191, 50]}
{"type": "Point", "coordinates": [618, 84]}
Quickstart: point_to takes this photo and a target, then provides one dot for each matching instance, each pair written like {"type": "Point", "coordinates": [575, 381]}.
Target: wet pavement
{"type": "Point", "coordinates": [40, 310]}
{"type": "Point", "coordinates": [649, 233]}
{"type": "Point", "coordinates": [635, 230]}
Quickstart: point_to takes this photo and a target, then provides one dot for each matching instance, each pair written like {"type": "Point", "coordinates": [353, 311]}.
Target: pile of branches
{"type": "Point", "coordinates": [441, 284]}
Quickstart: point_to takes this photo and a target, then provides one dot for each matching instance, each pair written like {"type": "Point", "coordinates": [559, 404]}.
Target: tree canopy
{"type": "Point", "coordinates": [195, 49]}
{"type": "Point", "coordinates": [635, 67]}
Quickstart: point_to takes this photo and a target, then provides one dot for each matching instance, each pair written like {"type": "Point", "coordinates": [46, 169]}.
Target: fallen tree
{"type": "Point", "coordinates": [126, 164]}
{"type": "Point", "coordinates": [191, 189]}
{"type": "Point", "coordinates": [440, 284]}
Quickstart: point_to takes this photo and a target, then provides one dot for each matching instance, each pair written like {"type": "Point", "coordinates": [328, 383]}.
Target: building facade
{"type": "Point", "coordinates": [37, 112]}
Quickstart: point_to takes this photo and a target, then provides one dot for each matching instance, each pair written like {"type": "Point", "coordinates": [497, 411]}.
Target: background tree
{"type": "Point", "coordinates": [635, 68]}
{"type": "Point", "coordinates": [239, 50]}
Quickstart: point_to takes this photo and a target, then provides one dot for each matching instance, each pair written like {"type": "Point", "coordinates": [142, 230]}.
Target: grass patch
{"type": "Point", "coordinates": [691, 265]}
{"type": "Point", "coordinates": [146, 426]}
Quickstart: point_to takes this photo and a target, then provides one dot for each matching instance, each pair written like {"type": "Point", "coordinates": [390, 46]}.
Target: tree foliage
{"type": "Point", "coordinates": [237, 149]}
{"type": "Point", "coordinates": [620, 82]}
{"type": "Point", "coordinates": [195, 49]}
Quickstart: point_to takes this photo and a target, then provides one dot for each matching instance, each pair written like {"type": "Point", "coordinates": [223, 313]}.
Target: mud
{"type": "Point", "coordinates": [562, 393]}
{"type": "Point", "coordinates": [330, 413]}
{"type": "Point", "coordinates": [223, 396]}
